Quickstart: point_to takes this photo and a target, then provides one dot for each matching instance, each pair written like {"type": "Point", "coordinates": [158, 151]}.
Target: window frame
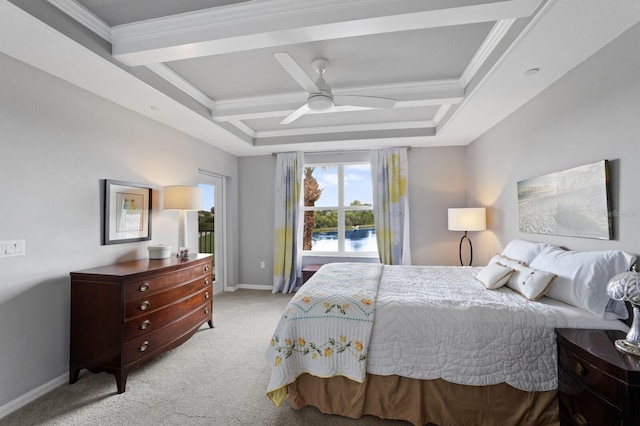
{"type": "Point", "coordinates": [341, 210]}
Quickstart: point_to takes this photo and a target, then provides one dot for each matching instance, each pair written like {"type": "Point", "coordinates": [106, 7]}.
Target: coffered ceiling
{"type": "Point", "coordinates": [230, 71]}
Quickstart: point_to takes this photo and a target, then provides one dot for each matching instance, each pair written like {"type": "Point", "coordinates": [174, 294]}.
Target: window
{"type": "Point", "coordinates": [338, 210]}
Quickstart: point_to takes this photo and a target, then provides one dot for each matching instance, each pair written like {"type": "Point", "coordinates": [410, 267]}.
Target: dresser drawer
{"type": "Point", "coordinates": [147, 346]}
{"type": "Point", "coordinates": [583, 407]}
{"type": "Point", "coordinates": [141, 287]}
{"type": "Point", "coordinates": [145, 324]}
{"type": "Point", "coordinates": [153, 302]}
{"type": "Point", "coordinates": [587, 375]}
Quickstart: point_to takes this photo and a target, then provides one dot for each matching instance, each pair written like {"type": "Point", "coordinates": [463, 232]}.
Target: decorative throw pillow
{"type": "Point", "coordinates": [523, 250]}
{"type": "Point", "coordinates": [494, 275]}
{"type": "Point", "coordinates": [529, 282]}
{"type": "Point", "coordinates": [583, 278]}
{"type": "Point", "coordinates": [504, 260]}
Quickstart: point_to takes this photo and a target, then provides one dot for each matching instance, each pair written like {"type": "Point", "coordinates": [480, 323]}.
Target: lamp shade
{"type": "Point", "coordinates": [182, 198]}
{"type": "Point", "coordinates": [468, 219]}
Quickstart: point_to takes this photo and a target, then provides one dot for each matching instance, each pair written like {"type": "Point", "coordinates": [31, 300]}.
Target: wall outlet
{"type": "Point", "coordinates": [12, 248]}
{"type": "Point", "coordinates": [262, 265]}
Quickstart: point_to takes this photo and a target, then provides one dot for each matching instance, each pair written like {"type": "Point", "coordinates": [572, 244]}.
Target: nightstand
{"type": "Point", "coordinates": [597, 384]}
{"type": "Point", "coordinates": [308, 271]}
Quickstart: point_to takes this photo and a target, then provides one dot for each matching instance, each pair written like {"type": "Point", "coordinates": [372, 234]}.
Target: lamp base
{"type": "Point", "coordinates": [628, 347]}
{"type": "Point", "coordinates": [465, 237]}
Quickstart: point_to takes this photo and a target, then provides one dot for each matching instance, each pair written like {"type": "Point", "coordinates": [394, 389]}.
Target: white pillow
{"type": "Point", "coordinates": [530, 282]}
{"type": "Point", "coordinates": [523, 250]}
{"type": "Point", "coordinates": [494, 275]}
{"type": "Point", "coordinates": [583, 277]}
{"type": "Point", "coordinates": [504, 260]}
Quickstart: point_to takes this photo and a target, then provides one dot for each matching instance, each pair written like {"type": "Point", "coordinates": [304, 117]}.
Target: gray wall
{"type": "Point", "coordinates": [437, 180]}
{"type": "Point", "coordinates": [57, 143]}
{"type": "Point", "coordinates": [592, 113]}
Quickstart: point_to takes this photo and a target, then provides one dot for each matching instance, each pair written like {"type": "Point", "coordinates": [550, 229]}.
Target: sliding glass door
{"type": "Point", "coordinates": [211, 224]}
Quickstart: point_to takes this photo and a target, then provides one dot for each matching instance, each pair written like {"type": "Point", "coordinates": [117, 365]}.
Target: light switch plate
{"type": "Point", "coordinates": [12, 248]}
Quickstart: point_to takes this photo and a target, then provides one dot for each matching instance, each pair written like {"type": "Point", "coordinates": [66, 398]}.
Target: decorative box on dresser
{"type": "Point", "coordinates": [126, 313]}
{"type": "Point", "coordinates": [597, 384]}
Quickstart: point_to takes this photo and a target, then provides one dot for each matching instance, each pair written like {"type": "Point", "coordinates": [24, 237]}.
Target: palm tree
{"type": "Point", "coordinates": [312, 192]}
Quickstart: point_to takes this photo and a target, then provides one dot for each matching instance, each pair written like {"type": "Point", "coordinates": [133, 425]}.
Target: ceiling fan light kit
{"type": "Point", "coordinates": [320, 97]}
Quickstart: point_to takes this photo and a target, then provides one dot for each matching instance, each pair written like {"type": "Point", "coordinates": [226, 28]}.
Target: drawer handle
{"type": "Point", "coordinates": [143, 287]}
{"type": "Point", "coordinates": [579, 369]}
{"type": "Point", "coordinates": [144, 324]}
{"type": "Point", "coordinates": [144, 305]}
{"type": "Point", "coordinates": [579, 420]}
{"type": "Point", "coordinates": [144, 346]}
{"type": "Point", "coordinates": [206, 294]}
{"type": "Point", "coordinates": [206, 268]}
{"type": "Point", "coordinates": [206, 281]}
{"type": "Point", "coordinates": [206, 310]}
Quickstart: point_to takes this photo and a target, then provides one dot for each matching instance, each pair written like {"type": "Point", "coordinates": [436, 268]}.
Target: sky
{"type": "Point", "coordinates": [357, 179]}
{"type": "Point", "coordinates": [207, 196]}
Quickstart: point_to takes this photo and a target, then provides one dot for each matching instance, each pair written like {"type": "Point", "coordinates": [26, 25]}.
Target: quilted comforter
{"type": "Point", "coordinates": [439, 322]}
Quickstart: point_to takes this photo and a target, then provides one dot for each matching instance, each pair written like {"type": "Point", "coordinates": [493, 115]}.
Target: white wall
{"type": "Point", "coordinates": [437, 180]}
{"type": "Point", "coordinates": [591, 114]}
{"type": "Point", "coordinates": [57, 144]}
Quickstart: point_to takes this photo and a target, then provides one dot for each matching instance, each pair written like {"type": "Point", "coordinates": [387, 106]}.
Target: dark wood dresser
{"type": "Point", "coordinates": [597, 384]}
{"type": "Point", "coordinates": [125, 313]}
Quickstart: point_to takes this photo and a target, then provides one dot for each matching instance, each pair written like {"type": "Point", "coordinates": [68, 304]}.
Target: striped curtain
{"type": "Point", "coordinates": [287, 258]}
{"type": "Point", "coordinates": [389, 174]}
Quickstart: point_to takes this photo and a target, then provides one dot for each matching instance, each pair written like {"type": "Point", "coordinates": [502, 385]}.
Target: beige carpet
{"type": "Point", "coordinates": [218, 377]}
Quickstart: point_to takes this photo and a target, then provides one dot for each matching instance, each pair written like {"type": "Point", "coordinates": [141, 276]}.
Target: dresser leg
{"type": "Point", "coordinates": [210, 322]}
{"type": "Point", "coordinates": [73, 375]}
{"type": "Point", "coordinates": [121, 380]}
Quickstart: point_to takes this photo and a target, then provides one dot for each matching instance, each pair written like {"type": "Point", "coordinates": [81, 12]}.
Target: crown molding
{"type": "Point", "coordinates": [494, 37]}
{"type": "Point", "coordinates": [346, 128]}
{"type": "Point", "coordinates": [172, 77]}
{"type": "Point", "coordinates": [84, 16]}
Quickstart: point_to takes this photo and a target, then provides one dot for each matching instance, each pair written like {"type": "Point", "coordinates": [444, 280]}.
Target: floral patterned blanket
{"type": "Point", "coordinates": [326, 327]}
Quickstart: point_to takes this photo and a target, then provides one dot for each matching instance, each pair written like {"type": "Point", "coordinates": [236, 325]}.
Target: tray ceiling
{"type": "Point", "coordinates": [207, 67]}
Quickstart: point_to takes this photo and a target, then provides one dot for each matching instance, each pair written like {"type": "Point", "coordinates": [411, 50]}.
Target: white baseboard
{"type": "Point", "coordinates": [32, 395]}
{"type": "Point", "coordinates": [250, 287]}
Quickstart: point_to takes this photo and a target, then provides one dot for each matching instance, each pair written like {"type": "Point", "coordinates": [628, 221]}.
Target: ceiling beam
{"type": "Point", "coordinates": [347, 128]}
{"type": "Point", "coordinates": [411, 95]}
{"type": "Point", "coordinates": [248, 26]}
{"type": "Point", "coordinates": [352, 137]}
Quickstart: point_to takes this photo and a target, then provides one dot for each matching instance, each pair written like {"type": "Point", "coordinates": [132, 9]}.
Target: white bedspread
{"type": "Point", "coordinates": [430, 322]}
{"type": "Point", "coordinates": [439, 322]}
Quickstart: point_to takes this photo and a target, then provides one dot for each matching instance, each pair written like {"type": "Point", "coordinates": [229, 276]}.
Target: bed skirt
{"type": "Point", "coordinates": [423, 402]}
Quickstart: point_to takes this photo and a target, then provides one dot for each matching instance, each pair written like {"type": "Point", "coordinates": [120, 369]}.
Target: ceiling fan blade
{"type": "Point", "coordinates": [364, 101]}
{"type": "Point", "coordinates": [296, 72]}
{"type": "Point", "coordinates": [296, 114]}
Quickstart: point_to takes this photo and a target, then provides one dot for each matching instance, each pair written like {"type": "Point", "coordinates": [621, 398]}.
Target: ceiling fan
{"type": "Point", "coordinates": [320, 97]}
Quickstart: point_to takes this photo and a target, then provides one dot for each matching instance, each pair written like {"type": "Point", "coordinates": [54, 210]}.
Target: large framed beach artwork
{"type": "Point", "coordinates": [127, 212]}
{"type": "Point", "coordinates": [574, 202]}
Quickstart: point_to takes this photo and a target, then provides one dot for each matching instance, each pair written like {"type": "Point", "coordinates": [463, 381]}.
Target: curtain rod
{"type": "Point", "coordinates": [340, 151]}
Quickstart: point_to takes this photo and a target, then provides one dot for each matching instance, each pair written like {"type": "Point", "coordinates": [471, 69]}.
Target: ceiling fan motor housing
{"type": "Point", "coordinates": [323, 100]}
{"type": "Point", "coordinates": [320, 101]}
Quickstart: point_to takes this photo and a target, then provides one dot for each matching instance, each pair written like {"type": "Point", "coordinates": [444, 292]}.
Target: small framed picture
{"type": "Point", "coordinates": [127, 212]}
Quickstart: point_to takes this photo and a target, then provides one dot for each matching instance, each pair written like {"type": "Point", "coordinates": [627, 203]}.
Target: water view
{"type": "Point", "coordinates": [356, 240]}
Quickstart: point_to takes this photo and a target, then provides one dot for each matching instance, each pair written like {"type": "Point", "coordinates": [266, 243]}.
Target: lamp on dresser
{"type": "Point", "coordinates": [467, 219]}
{"type": "Point", "coordinates": [182, 198]}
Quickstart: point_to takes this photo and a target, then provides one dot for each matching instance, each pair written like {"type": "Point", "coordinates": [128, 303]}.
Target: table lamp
{"type": "Point", "coordinates": [182, 198]}
{"type": "Point", "coordinates": [626, 287]}
{"type": "Point", "coordinates": [467, 219]}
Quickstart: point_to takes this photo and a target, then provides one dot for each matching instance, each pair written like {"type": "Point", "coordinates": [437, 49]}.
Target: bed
{"type": "Point", "coordinates": [441, 344]}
